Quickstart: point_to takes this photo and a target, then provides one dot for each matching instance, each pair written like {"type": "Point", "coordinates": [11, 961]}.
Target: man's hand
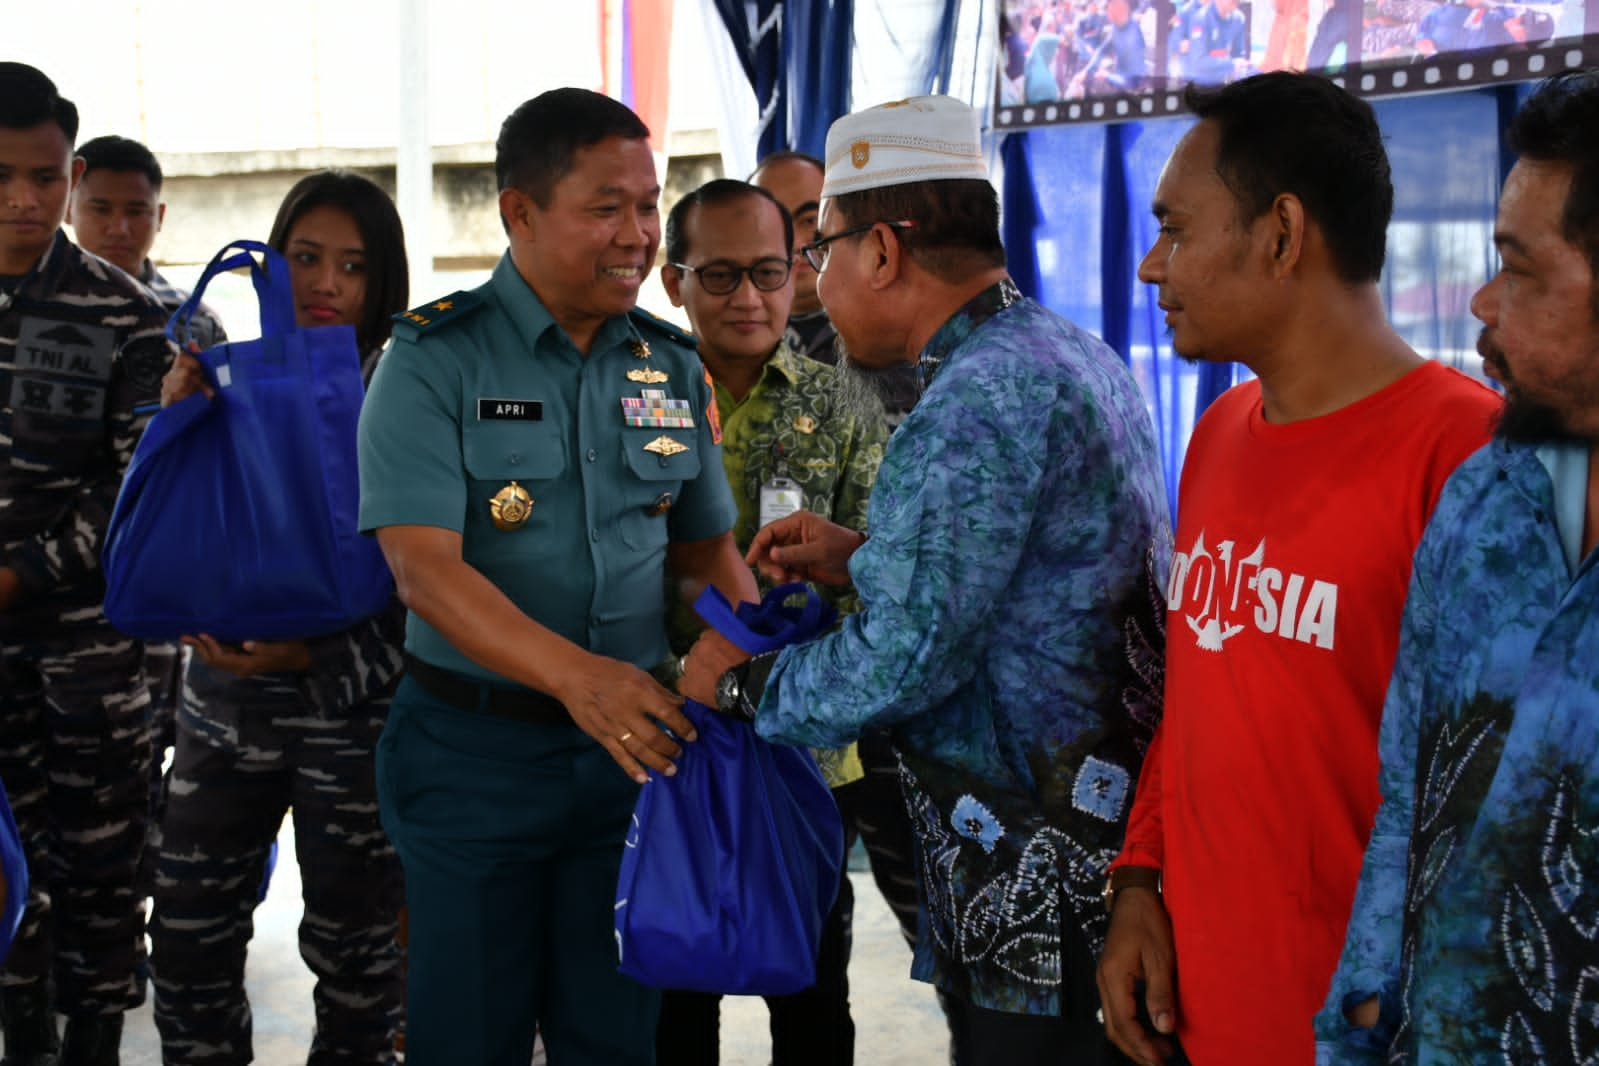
{"type": "Point", "coordinates": [184, 378]}
{"type": "Point", "coordinates": [805, 547]}
{"type": "Point", "coordinates": [253, 657]}
{"type": "Point", "coordinates": [1138, 948]}
{"type": "Point", "coordinates": [10, 588]}
{"type": "Point", "coordinates": [711, 656]}
{"type": "Point", "coordinates": [624, 708]}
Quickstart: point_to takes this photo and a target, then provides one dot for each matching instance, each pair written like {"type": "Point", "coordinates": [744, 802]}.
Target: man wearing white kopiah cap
{"type": "Point", "coordinates": [1011, 585]}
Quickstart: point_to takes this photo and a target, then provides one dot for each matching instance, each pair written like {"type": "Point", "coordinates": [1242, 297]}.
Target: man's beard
{"type": "Point", "coordinates": [853, 386]}
{"type": "Point", "coordinates": [1522, 420]}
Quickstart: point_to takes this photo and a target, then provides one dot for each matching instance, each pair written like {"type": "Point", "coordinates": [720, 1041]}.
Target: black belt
{"type": "Point", "coordinates": [464, 693]}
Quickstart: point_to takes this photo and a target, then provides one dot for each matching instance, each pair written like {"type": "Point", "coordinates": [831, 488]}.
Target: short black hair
{"type": "Point", "coordinates": [954, 230]}
{"type": "Point", "coordinates": [120, 155]}
{"type": "Point", "coordinates": [388, 277]}
{"type": "Point", "coordinates": [1559, 124]}
{"type": "Point", "coordinates": [712, 194]}
{"type": "Point", "coordinates": [1284, 132]}
{"type": "Point", "coordinates": [28, 98]}
{"type": "Point", "coordinates": [785, 156]}
{"type": "Point", "coordinates": [539, 139]}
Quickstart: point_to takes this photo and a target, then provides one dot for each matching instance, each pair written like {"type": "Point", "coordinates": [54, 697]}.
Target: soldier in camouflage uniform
{"type": "Point", "coordinates": [115, 213]}
{"type": "Point", "coordinates": [792, 439]}
{"type": "Point", "coordinates": [270, 726]}
{"type": "Point", "coordinates": [81, 357]}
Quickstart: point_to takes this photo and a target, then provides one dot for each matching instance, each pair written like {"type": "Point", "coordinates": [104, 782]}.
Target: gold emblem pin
{"type": "Point", "coordinates": [860, 153]}
{"type": "Point", "coordinates": [661, 505]}
{"type": "Point", "coordinates": [639, 348]}
{"type": "Point", "coordinates": [510, 508]}
{"type": "Point", "coordinates": [805, 424]}
{"type": "Point", "coordinates": [664, 445]}
{"type": "Point", "coordinates": [646, 376]}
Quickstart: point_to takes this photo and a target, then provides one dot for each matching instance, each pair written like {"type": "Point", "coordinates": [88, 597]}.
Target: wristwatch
{"type": "Point", "coordinates": [1129, 877]}
{"type": "Point", "coordinates": [730, 695]}
{"type": "Point", "coordinates": [739, 690]}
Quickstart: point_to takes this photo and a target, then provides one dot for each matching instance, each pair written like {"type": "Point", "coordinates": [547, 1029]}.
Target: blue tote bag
{"type": "Point", "coordinates": [732, 864]}
{"type": "Point", "coordinates": [237, 516]}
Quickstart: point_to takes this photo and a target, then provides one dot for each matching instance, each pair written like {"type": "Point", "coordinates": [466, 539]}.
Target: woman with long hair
{"type": "Point", "coordinates": [272, 726]}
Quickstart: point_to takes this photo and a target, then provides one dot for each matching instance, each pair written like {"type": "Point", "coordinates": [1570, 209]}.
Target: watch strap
{"type": "Point", "coordinates": [1130, 877]}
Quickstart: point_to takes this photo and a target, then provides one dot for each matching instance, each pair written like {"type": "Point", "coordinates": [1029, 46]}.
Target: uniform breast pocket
{"type": "Point", "coordinates": [658, 463]}
{"type": "Point", "coordinates": [510, 466]}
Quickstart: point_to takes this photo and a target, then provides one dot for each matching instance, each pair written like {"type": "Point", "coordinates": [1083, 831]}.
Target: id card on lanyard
{"type": "Point", "coordinates": [780, 494]}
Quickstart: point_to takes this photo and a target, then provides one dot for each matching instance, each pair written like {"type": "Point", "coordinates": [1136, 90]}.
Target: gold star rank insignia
{"type": "Point", "coordinates": [639, 348]}
{"type": "Point", "coordinates": [664, 445]}
{"type": "Point", "coordinates": [443, 305]}
{"type": "Point", "coordinates": [510, 508]}
{"type": "Point", "coordinates": [646, 376]}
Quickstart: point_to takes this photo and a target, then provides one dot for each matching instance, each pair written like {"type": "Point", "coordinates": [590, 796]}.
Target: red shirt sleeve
{"type": "Point", "coordinates": [1145, 844]}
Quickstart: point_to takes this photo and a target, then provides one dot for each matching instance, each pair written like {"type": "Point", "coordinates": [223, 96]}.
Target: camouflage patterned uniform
{"type": "Point", "coordinates": [249, 749]}
{"type": "Point", "coordinates": [81, 359]}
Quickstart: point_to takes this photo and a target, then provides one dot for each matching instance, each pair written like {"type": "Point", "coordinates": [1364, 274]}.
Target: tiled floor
{"type": "Point", "coordinates": [897, 1020]}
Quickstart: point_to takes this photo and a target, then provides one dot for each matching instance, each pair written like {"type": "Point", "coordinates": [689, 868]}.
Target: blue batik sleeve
{"type": "Point", "coordinates": [1370, 965]}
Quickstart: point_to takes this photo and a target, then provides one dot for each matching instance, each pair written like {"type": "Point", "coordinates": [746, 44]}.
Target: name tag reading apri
{"type": "Point", "coordinates": [510, 410]}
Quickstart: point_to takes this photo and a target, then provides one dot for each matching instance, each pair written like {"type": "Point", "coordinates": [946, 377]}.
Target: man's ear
{"type": "Point", "coordinates": [517, 209]}
{"type": "Point", "coordinates": [160, 216]}
{"type": "Point", "coordinates": [889, 257]}
{"type": "Point", "coordinates": [672, 282]}
{"type": "Point", "coordinates": [1287, 234]}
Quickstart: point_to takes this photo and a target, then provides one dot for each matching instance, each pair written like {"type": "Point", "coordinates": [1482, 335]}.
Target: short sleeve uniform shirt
{"type": "Point", "coordinates": [481, 394]}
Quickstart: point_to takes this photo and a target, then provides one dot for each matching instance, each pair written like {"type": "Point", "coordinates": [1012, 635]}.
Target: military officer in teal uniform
{"type": "Point", "coordinates": [534, 454]}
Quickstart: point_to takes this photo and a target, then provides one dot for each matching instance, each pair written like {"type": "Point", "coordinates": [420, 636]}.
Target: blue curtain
{"type": "Point", "coordinates": [941, 65]}
{"type": "Point", "coordinates": [796, 55]}
{"type": "Point", "coordinates": [1446, 191]}
{"type": "Point", "coordinates": [1052, 199]}
{"type": "Point", "coordinates": [817, 42]}
{"type": "Point", "coordinates": [1176, 391]}
{"type": "Point", "coordinates": [756, 29]}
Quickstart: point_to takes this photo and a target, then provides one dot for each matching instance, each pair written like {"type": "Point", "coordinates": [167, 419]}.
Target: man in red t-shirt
{"type": "Point", "coordinates": [1302, 499]}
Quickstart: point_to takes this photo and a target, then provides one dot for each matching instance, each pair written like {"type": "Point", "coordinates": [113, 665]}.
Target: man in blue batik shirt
{"type": "Point", "coordinates": [1012, 587]}
{"type": "Point", "coordinates": [1475, 932]}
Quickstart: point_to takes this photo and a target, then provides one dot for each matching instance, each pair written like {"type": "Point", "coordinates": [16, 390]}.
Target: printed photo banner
{"type": "Point", "coordinates": [1066, 61]}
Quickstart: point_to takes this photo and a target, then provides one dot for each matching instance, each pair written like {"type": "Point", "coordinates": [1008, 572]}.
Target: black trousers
{"type": "Point", "coordinates": [809, 1028]}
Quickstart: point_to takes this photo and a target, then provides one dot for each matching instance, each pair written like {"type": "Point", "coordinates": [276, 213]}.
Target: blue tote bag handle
{"type": "Point", "coordinates": [272, 289]}
{"type": "Point", "coordinates": [770, 624]}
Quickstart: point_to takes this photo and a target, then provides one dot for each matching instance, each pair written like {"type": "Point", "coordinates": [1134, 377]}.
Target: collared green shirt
{"type": "Point", "coordinates": [482, 392]}
{"type": "Point", "coordinates": [798, 420]}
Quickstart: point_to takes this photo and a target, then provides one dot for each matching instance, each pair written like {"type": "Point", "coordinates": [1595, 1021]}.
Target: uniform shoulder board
{"type": "Point", "coordinates": [643, 320]}
{"type": "Point", "coordinates": [428, 317]}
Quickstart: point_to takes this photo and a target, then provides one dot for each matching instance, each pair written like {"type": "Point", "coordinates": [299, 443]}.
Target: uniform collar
{"type": "Point", "coordinates": [533, 320]}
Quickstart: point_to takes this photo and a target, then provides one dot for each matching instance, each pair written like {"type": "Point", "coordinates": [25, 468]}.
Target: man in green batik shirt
{"type": "Point", "coordinates": [795, 436]}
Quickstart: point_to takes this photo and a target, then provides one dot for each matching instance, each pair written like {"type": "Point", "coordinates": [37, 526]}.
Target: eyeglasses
{"type": "Point", "coordinates": [720, 279]}
{"type": "Point", "coordinates": [816, 252]}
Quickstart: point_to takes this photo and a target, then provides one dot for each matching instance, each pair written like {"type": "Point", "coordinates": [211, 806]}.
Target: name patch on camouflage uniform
{"type": "Point", "coordinates": [62, 368]}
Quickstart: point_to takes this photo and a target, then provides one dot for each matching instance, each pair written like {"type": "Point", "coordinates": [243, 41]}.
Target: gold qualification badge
{"type": "Point", "coordinates": [510, 508]}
